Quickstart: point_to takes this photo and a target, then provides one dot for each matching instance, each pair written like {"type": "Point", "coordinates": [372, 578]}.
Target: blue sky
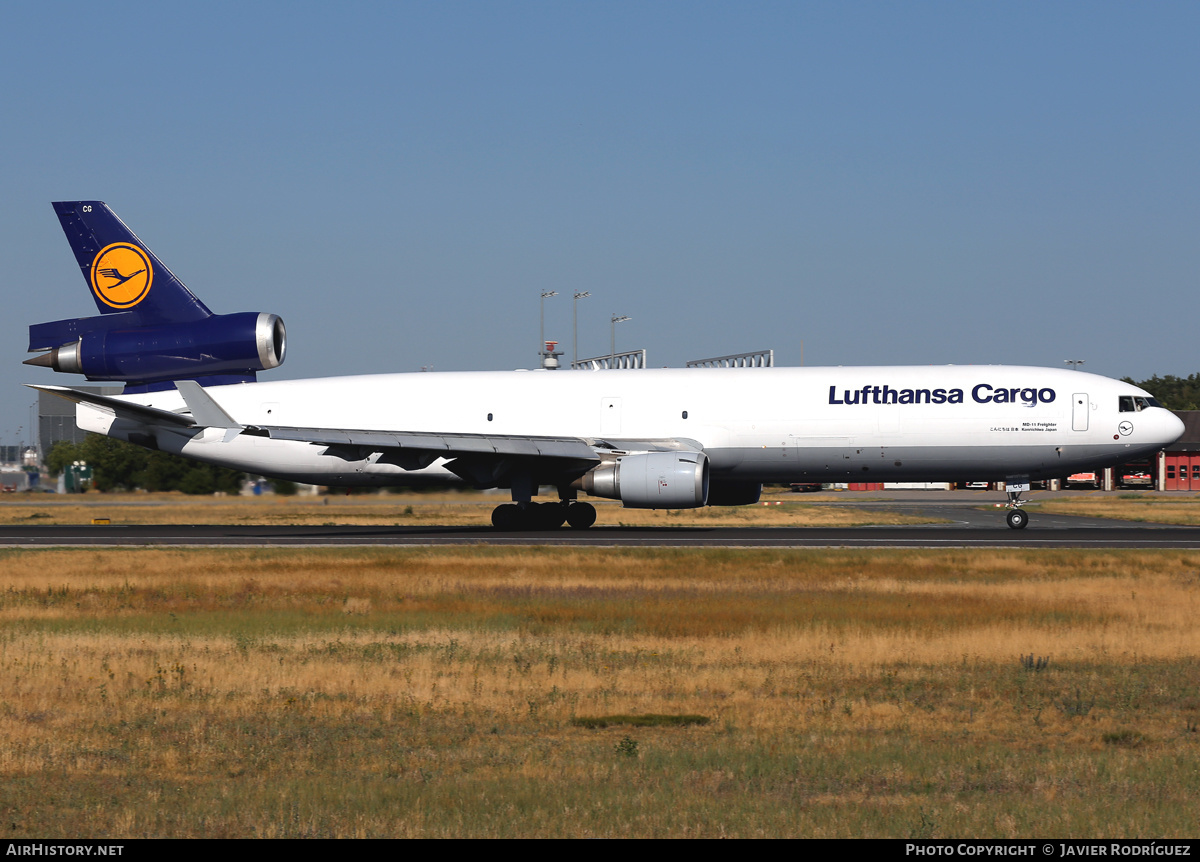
{"type": "Point", "coordinates": [890, 183]}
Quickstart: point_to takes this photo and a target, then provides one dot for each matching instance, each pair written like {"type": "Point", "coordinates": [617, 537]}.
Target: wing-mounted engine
{"type": "Point", "coordinates": [114, 348]}
{"type": "Point", "coordinates": [652, 480]}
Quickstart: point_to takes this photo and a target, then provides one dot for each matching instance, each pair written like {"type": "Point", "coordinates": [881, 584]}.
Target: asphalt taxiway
{"type": "Point", "coordinates": [968, 522]}
{"type": "Point", "coordinates": [1106, 535]}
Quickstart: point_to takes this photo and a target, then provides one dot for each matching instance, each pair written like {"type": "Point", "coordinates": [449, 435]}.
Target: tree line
{"type": "Point", "coordinates": [117, 465]}
{"type": "Point", "coordinates": [1174, 393]}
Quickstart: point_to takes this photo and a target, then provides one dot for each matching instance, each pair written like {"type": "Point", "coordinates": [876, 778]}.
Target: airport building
{"type": "Point", "coordinates": [1179, 464]}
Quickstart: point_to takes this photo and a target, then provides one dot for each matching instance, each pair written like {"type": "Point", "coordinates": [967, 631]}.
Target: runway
{"type": "Point", "coordinates": [1107, 534]}
{"type": "Point", "coordinates": [971, 520]}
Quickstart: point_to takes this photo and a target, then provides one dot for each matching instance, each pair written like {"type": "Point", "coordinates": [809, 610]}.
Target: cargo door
{"type": "Point", "coordinates": [1079, 411]}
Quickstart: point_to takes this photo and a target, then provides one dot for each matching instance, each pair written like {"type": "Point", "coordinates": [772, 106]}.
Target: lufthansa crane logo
{"type": "Point", "coordinates": [121, 275]}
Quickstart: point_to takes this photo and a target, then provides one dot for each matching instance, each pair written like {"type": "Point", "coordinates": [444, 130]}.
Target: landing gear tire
{"type": "Point", "coordinates": [1017, 519]}
{"type": "Point", "coordinates": [580, 516]}
{"type": "Point", "coordinates": [506, 517]}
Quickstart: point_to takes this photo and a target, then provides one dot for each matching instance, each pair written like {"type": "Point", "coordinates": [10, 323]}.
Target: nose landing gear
{"type": "Point", "coordinates": [1017, 517]}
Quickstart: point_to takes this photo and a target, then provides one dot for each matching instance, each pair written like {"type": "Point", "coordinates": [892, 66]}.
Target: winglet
{"type": "Point", "coordinates": [205, 410]}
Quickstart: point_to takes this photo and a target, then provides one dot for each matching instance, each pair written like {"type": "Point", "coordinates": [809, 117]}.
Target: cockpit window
{"type": "Point", "coordinates": [1135, 403]}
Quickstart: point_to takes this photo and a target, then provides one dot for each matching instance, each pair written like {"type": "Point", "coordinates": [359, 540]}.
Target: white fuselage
{"type": "Point", "coordinates": [844, 424]}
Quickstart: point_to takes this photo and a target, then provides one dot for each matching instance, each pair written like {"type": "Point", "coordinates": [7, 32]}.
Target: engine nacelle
{"type": "Point", "coordinates": [230, 344]}
{"type": "Point", "coordinates": [652, 480]}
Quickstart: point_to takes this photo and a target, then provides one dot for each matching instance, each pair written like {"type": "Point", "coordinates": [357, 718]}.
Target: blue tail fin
{"type": "Point", "coordinates": [151, 330]}
{"type": "Point", "coordinates": [122, 273]}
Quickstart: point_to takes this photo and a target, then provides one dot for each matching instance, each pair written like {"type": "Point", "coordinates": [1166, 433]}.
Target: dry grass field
{"type": "Point", "coordinates": [416, 692]}
{"type": "Point", "coordinates": [1159, 508]}
{"type": "Point", "coordinates": [412, 510]}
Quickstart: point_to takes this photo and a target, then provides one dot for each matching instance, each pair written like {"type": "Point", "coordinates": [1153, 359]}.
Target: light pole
{"type": "Point", "coordinates": [542, 332]}
{"type": "Point", "coordinates": [1074, 363]}
{"type": "Point", "coordinates": [579, 294]}
{"type": "Point", "coordinates": [612, 344]}
{"type": "Point", "coordinates": [37, 447]}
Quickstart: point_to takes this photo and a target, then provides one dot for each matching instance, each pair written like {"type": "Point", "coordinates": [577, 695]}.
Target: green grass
{"type": "Point", "coordinates": [434, 774]}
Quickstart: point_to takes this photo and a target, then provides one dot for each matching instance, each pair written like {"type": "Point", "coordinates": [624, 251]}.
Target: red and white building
{"type": "Point", "coordinates": [1179, 463]}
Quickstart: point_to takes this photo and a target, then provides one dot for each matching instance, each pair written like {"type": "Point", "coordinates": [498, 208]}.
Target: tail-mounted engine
{"type": "Point", "coordinates": [232, 345]}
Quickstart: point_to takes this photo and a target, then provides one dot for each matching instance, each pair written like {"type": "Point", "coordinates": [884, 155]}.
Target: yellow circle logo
{"type": "Point", "coordinates": [121, 275]}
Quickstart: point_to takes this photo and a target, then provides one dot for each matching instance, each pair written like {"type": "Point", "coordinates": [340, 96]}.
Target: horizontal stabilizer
{"type": "Point", "coordinates": [123, 409]}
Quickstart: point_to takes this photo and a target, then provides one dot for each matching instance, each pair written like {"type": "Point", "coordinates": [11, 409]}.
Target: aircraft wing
{"type": "Point", "coordinates": [449, 445]}
{"type": "Point", "coordinates": [485, 460]}
{"type": "Point", "coordinates": [444, 445]}
{"type": "Point", "coordinates": [204, 412]}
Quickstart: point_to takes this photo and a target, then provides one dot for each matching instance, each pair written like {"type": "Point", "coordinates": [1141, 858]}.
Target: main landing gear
{"type": "Point", "coordinates": [524, 514]}
{"type": "Point", "coordinates": [543, 516]}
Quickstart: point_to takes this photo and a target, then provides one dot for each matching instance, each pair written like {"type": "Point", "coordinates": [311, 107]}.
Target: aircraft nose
{"type": "Point", "coordinates": [1172, 427]}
